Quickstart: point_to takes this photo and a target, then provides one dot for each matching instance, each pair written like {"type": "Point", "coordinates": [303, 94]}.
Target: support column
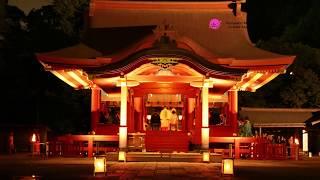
{"type": "Point", "coordinates": [205, 116]}
{"type": "Point", "coordinates": [90, 147]}
{"type": "Point", "coordinates": [123, 121]}
{"type": "Point", "coordinates": [137, 113]}
{"type": "Point", "coordinates": [95, 107]}
{"type": "Point", "coordinates": [191, 114]}
{"type": "Point", "coordinates": [130, 116]}
{"type": "Point", "coordinates": [233, 109]}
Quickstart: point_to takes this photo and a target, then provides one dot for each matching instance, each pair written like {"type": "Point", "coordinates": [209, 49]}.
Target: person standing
{"type": "Point", "coordinates": [165, 116]}
{"type": "Point", "coordinates": [247, 128]}
{"type": "Point", "coordinates": [174, 120]}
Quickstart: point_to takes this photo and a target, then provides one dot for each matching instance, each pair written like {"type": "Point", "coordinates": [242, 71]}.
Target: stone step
{"type": "Point", "coordinates": [164, 157]}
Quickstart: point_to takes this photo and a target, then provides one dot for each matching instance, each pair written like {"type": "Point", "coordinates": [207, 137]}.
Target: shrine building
{"type": "Point", "coordinates": [139, 56]}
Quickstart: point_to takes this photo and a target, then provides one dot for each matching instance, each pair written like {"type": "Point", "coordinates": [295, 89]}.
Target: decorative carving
{"type": "Point", "coordinates": [164, 62]}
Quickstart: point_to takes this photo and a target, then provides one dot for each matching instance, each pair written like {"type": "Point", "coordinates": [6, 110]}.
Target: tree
{"type": "Point", "coordinates": [31, 94]}
{"type": "Point", "coordinates": [287, 28]}
{"type": "Point", "coordinates": [71, 15]}
{"type": "Point", "coordinates": [3, 4]}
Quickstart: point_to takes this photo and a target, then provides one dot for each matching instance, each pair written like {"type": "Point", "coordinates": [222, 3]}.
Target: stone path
{"type": "Point", "coordinates": [163, 170]}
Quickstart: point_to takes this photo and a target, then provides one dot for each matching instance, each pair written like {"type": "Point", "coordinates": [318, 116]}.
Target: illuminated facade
{"type": "Point", "coordinates": [137, 57]}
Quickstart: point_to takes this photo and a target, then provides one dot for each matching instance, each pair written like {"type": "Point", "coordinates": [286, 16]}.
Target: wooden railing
{"type": "Point", "coordinates": [255, 148]}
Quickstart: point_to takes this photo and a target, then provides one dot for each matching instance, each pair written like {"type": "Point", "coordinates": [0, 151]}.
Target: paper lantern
{"type": "Point", "coordinates": [227, 167]}
{"type": "Point", "coordinates": [122, 156]}
{"type": "Point", "coordinates": [206, 157]}
{"type": "Point", "coordinates": [99, 165]}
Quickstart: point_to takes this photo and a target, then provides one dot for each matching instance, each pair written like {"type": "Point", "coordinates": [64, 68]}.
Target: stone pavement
{"type": "Point", "coordinates": [18, 166]}
{"type": "Point", "coordinates": [163, 170]}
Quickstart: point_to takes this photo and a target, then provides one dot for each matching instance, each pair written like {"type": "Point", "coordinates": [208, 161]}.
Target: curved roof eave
{"type": "Point", "coordinates": [188, 58]}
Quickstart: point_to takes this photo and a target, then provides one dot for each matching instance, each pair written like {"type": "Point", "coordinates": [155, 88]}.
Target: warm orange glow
{"type": "Point", "coordinates": [206, 157]}
{"type": "Point", "coordinates": [233, 101]}
{"type": "Point", "coordinates": [56, 73]}
{"type": "Point", "coordinates": [305, 145]}
{"type": "Point", "coordinates": [227, 166]}
{"type": "Point", "coordinates": [122, 156]}
{"type": "Point", "coordinates": [33, 138]}
{"type": "Point", "coordinates": [122, 137]}
{"type": "Point", "coordinates": [95, 99]}
{"type": "Point", "coordinates": [251, 81]}
{"type": "Point", "coordinates": [205, 137]}
{"type": "Point", "coordinates": [205, 104]}
{"type": "Point", "coordinates": [123, 108]}
{"type": "Point", "coordinates": [191, 104]}
{"type": "Point", "coordinates": [99, 164]}
{"type": "Point", "coordinates": [274, 75]}
{"type": "Point", "coordinates": [78, 79]}
{"type": "Point", "coordinates": [137, 104]}
{"type": "Point", "coordinates": [218, 98]}
{"type": "Point", "coordinates": [296, 141]}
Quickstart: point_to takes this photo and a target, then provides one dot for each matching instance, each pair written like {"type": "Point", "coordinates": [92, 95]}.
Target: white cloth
{"type": "Point", "coordinates": [174, 119]}
{"type": "Point", "coordinates": [165, 116]}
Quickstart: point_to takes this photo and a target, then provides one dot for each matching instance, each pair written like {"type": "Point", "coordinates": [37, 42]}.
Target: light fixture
{"type": "Point", "coordinates": [60, 76]}
{"type": "Point", "coordinates": [148, 116]}
{"type": "Point", "coordinates": [99, 165]}
{"type": "Point", "coordinates": [305, 141]}
{"type": "Point", "coordinates": [33, 138]}
{"type": "Point", "coordinates": [122, 156]}
{"type": "Point", "coordinates": [78, 79]}
{"type": "Point", "coordinates": [296, 141]}
{"type": "Point", "coordinates": [180, 117]}
{"type": "Point", "coordinates": [206, 156]}
{"type": "Point", "coordinates": [227, 166]}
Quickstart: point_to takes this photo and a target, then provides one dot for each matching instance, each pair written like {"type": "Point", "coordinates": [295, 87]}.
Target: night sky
{"type": "Point", "coordinates": [28, 5]}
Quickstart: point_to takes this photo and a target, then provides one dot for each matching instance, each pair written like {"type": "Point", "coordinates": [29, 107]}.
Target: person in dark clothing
{"type": "Point", "coordinates": [155, 121]}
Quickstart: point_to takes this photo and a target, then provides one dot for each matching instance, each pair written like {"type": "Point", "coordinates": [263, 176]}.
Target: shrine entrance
{"type": "Point", "coordinates": [165, 112]}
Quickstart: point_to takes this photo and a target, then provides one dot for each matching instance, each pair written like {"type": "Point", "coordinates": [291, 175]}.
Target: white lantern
{"type": "Point", "coordinates": [122, 156]}
{"type": "Point", "coordinates": [99, 165]}
{"type": "Point", "coordinates": [227, 167]}
{"type": "Point", "coordinates": [206, 157]}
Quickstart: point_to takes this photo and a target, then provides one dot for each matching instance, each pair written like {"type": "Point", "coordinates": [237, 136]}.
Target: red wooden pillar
{"type": "Point", "coordinates": [95, 107]}
{"type": "Point", "coordinates": [233, 109]}
{"type": "Point", "coordinates": [184, 114]}
{"type": "Point", "coordinates": [90, 147]}
{"type": "Point", "coordinates": [198, 121]}
{"type": "Point", "coordinates": [130, 110]}
{"type": "Point", "coordinates": [142, 115]}
{"type": "Point", "coordinates": [191, 114]}
{"type": "Point", "coordinates": [137, 113]}
{"type": "Point", "coordinates": [237, 148]}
